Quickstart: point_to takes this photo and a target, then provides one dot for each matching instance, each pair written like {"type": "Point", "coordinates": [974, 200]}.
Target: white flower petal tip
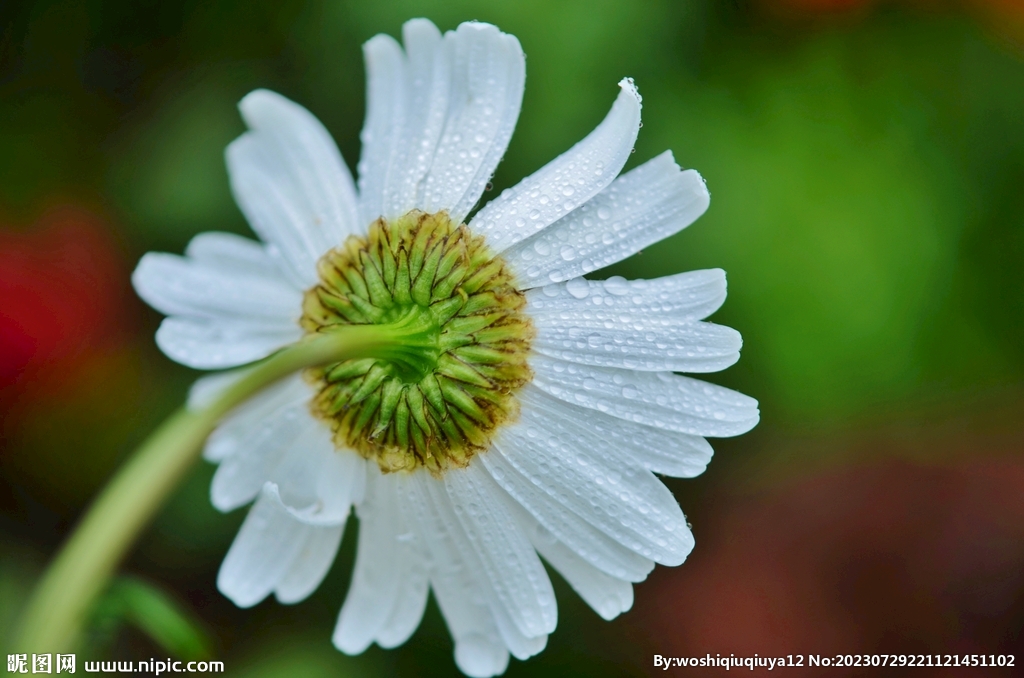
{"type": "Point", "coordinates": [275, 553]}
{"type": "Point", "coordinates": [227, 303]}
{"type": "Point", "coordinates": [516, 574]}
{"type": "Point", "coordinates": [658, 399]}
{"type": "Point", "coordinates": [289, 180]}
{"type": "Point", "coordinates": [641, 207]}
{"type": "Point", "coordinates": [622, 500]}
{"type": "Point", "coordinates": [636, 341]}
{"type": "Point", "coordinates": [440, 115]}
{"type": "Point", "coordinates": [478, 656]}
{"type": "Point", "coordinates": [388, 593]}
{"type": "Point", "coordinates": [566, 182]}
{"type": "Point", "coordinates": [694, 295]}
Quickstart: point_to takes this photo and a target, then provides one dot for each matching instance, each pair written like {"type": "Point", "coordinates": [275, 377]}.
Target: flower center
{"type": "Point", "coordinates": [435, 401]}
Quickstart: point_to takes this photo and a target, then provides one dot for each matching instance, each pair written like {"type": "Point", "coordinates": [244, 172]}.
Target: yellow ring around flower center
{"type": "Point", "coordinates": [435, 403]}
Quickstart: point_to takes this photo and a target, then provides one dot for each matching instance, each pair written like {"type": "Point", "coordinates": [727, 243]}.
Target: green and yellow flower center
{"type": "Point", "coordinates": [435, 400]}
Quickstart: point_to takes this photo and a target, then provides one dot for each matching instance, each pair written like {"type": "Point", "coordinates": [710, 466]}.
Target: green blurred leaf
{"type": "Point", "coordinates": [142, 605]}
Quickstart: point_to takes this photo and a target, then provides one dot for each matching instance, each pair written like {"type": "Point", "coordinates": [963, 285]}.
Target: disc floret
{"type": "Point", "coordinates": [434, 399]}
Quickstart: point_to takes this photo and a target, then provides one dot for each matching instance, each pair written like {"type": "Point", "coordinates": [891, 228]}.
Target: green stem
{"type": "Point", "coordinates": [80, 572]}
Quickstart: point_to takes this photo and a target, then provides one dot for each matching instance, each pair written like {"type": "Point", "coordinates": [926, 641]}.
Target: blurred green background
{"type": "Point", "coordinates": [866, 162]}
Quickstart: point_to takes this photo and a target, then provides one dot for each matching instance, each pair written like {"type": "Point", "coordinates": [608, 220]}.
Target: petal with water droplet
{"type": "Point", "coordinates": [641, 207]}
{"type": "Point", "coordinates": [659, 399]}
{"type": "Point", "coordinates": [290, 181]}
{"type": "Point", "coordinates": [587, 167]}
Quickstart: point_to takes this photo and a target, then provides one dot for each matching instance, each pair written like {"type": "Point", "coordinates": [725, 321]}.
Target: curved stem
{"type": "Point", "coordinates": [80, 572]}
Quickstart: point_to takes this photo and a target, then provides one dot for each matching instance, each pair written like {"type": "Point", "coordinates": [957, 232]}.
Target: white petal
{"type": "Point", "coordinates": [659, 451]}
{"type": "Point", "coordinates": [478, 580]}
{"type": "Point", "coordinates": [521, 646]}
{"type": "Point", "coordinates": [232, 435]}
{"type": "Point", "coordinates": [510, 562]}
{"type": "Point", "coordinates": [388, 592]}
{"type": "Point", "coordinates": [290, 181]}
{"type": "Point", "coordinates": [411, 600]}
{"type": "Point", "coordinates": [257, 449]}
{"type": "Point", "coordinates": [230, 252]}
{"type": "Point", "coordinates": [316, 482]}
{"type": "Point", "coordinates": [590, 543]}
{"type": "Point", "coordinates": [685, 296]}
{"type": "Point", "coordinates": [607, 595]}
{"type": "Point", "coordinates": [385, 110]}
{"type": "Point", "coordinates": [488, 71]}
{"type": "Point", "coordinates": [566, 460]}
{"type": "Point", "coordinates": [208, 344]}
{"type": "Point", "coordinates": [263, 551]}
{"type": "Point", "coordinates": [439, 117]}
{"type": "Point", "coordinates": [636, 341]}
{"type": "Point", "coordinates": [311, 564]}
{"type": "Point", "coordinates": [221, 275]}
{"type": "Point", "coordinates": [659, 399]}
{"type": "Point", "coordinates": [566, 182]}
{"type": "Point", "coordinates": [229, 303]}
{"type": "Point", "coordinates": [641, 207]}
{"type": "Point", "coordinates": [479, 656]}
{"type": "Point", "coordinates": [177, 285]}
{"type": "Point", "coordinates": [425, 92]}
{"type": "Point", "coordinates": [419, 119]}
{"type": "Point", "coordinates": [465, 605]}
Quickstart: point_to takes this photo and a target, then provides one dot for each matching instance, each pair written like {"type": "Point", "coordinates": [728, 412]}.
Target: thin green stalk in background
{"type": "Point", "coordinates": [54, 615]}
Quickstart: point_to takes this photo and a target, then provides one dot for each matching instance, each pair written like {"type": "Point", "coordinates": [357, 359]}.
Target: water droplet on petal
{"type": "Point", "coordinates": [616, 285]}
{"type": "Point", "coordinates": [578, 288]}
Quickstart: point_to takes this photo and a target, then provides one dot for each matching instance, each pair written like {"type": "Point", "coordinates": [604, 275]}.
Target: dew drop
{"type": "Point", "coordinates": [578, 288]}
{"type": "Point", "coordinates": [616, 285]}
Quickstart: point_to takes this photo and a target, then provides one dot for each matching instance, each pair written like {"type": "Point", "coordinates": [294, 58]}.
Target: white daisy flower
{"type": "Point", "coordinates": [532, 416]}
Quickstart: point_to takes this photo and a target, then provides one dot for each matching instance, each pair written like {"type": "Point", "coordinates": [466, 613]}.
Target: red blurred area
{"type": "Point", "coordinates": [895, 557]}
{"type": "Point", "coordinates": [62, 299]}
{"type": "Point", "coordinates": [71, 378]}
